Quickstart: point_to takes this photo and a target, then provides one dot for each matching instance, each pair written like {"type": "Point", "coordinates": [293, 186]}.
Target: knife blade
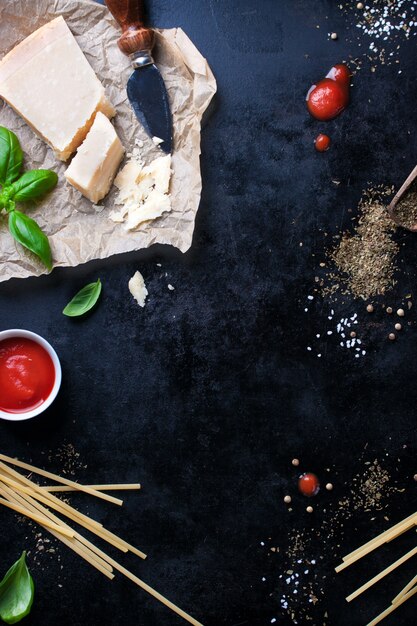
{"type": "Point", "coordinates": [145, 88]}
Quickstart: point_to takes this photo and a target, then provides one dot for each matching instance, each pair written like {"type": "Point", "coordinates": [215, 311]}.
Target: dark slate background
{"type": "Point", "coordinates": [206, 394]}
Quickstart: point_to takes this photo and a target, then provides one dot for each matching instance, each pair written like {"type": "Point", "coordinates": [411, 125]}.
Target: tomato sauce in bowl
{"type": "Point", "coordinates": [30, 374]}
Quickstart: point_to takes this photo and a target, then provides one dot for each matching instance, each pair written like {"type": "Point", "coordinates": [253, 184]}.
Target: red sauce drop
{"type": "Point", "coordinates": [322, 143]}
{"type": "Point", "coordinates": [309, 485]}
{"type": "Point", "coordinates": [330, 96]}
{"type": "Point", "coordinates": [340, 73]}
{"type": "Point", "coordinates": [27, 375]}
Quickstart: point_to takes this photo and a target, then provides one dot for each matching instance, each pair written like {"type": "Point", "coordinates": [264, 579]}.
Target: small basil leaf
{"type": "Point", "coordinates": [11, 156]}
{"type": "Point", "coordinates": [33, 185]}
{"type": "Point", "coordinates": [16, 592]}
{"type": "Point", "coordinates": [84, 300]}
{"type": "Point", "coordinates": [27, 232]}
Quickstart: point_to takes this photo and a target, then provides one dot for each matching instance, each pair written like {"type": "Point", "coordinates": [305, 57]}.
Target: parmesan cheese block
{"type": "Point", "coordinates": [48, 81]}
{"type": "Point", "coordinates": [143, 192]}
{"type": "Point", "coordinates": [94, 167]}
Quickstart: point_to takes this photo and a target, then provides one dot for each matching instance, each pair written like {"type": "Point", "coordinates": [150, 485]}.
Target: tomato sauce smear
{"type": "Point", "coordinates": [27, 375]}
{"type": "Point", "coordinates": [330, 96]}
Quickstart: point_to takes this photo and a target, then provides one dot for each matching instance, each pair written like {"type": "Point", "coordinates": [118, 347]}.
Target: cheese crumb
{"type": "Point", "coordinates": [171, 288]}
{"type": "Point", "coordinates": [157, 140]}
{"type": "Point", "coordinates": [143, 192]}
{"type": "Point", "coordinates": [138, 289]}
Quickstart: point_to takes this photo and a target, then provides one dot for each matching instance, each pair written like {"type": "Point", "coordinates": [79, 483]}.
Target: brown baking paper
{"type": "Point", "coordinates": [78, 230]}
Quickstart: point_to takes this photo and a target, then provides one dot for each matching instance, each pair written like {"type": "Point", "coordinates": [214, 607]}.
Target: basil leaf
{"type": "Point", "coordinates": [33, 185]}
{"type": "Point", "coordinates": [84, 300]}
{"type": "Point", "coordinates": [11, 156]}
{"type": "Point", "coordinates": [16, 592]}
{"type": "Point", "coordinates": [27, 232]}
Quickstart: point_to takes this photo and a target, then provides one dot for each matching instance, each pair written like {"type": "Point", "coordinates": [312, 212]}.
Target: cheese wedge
{"type": "Point", "coordinates": [48, 81]}
{"type": "Point", "coordinates": [94, 167]}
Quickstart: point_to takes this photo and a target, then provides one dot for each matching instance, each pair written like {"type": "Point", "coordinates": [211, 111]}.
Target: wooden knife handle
{"type": "Point", "coordinates": [130, 14]}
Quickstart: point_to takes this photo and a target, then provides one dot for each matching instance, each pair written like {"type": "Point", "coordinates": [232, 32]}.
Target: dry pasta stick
{"type": "Point", "coordinates": [82, 551]}
{"type": "Point", "coordinates": [381, 575]}
{"type": "Point", "coordinates": [392, 608]}
{"type": "Point", "coordinates": [150, 590]}
{"type": "Point", "coordinates": [88, 555]}
{"type": "Point", "coordinates": [116, 565]}
{"type": "Point", "coordinates": [19, 479]}
{"type": "Point", "coordinates": [58, 479]}
{"type": "Point", "coordinates": [84, 520]}
{"type": "Point", "coordinates": [37, 506]}
{"type": "Point", "coordinates": [389, 535]}
{"type": "Point", "coordinates": [115, 487]}
{"type": "Point", "coordinates": [405, 524]}
{"type": "Point", "coordinates": [405, 590]}
{"type": "Point", "coordinates": [69, 511]}
{"type": "Point", "coordinates": [36, 518]}
{"type": "Point", "coordinates": [36, 492]}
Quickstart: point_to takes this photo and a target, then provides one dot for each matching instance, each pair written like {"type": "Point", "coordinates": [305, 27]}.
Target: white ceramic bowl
{"type": "Point", "coordinates": [18, 417]}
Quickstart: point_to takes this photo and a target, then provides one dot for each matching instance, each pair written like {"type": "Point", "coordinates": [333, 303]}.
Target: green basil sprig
{"type": "Point", "coordinates": [31, 185]}
{"type": "Point", "coordinates": [16, 592]}
{"type": "Point", "coordinates": [84, 300]}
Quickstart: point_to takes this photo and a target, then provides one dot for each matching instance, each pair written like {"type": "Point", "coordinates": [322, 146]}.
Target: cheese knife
{"type": "Point", "coordinates": [145, 88]}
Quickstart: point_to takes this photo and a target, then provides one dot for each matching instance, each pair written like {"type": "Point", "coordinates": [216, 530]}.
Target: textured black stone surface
{"type": "Point", "coordinates": [206, 394]}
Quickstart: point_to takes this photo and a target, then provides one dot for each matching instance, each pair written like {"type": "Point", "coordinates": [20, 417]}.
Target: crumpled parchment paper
{"type": "Point", "coordinates": [79, 231]}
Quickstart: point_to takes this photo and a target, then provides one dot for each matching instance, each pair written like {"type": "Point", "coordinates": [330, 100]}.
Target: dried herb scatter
{"type": "Point", "coordinates": [406, 209]}
{"type": "Point", "coordinates": [364, 260]}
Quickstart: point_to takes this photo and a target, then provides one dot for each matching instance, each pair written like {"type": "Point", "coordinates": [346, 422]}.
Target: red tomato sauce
{"type": "Point", "coordinates": [309, 485]}
{"type": "Point", "coordinates": [322, 143]}
{"type": "Point", "coordinates": [330, 96]}
{"type": "Point", "coordinates": [27, 375]}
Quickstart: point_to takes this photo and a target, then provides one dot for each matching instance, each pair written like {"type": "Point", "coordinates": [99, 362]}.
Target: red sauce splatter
{"type": "Point", "coordinates": [330, 96]}
{"type": "Point", "coordinates": [27, 375]}
{"type": "Point", "coordinates": [322, 143]}
{"type": "Point", "coordinates": [309, 485]}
